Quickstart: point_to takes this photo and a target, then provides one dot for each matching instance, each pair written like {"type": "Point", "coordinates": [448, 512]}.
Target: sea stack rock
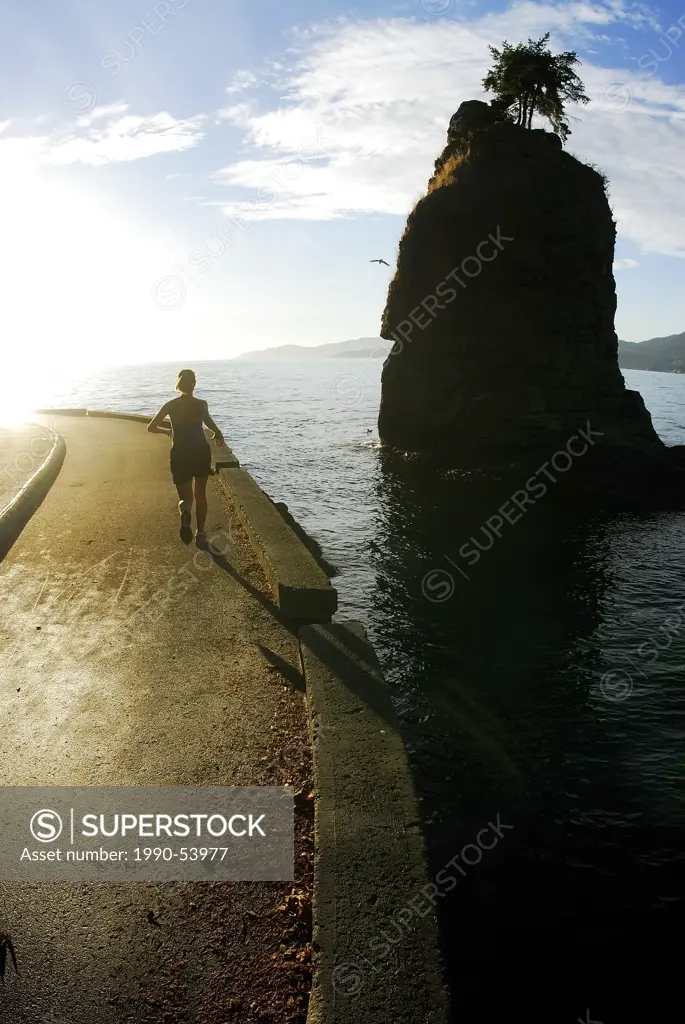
{"type": "Point", "coordinates": [502, 307]}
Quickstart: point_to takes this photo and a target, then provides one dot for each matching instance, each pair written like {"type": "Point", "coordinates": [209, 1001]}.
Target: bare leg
{"type": "Point", "coordinates": [201, 502]}
{"type": "Point", "coordinates": [185, 506]}
{"type": "Point", "coordinates": [185, 492]}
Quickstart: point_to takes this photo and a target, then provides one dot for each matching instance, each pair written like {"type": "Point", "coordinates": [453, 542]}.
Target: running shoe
{"type": "Point", "coordinates": [186, 531]}
{"type": "Point", "coordinates": [201, 540]}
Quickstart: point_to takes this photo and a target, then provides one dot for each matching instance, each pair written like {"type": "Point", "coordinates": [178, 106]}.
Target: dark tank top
{"type": "Point", "coordinates": [186, 435]}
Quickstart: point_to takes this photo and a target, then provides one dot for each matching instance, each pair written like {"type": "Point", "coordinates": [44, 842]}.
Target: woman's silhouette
{"type": "Point", "coordinates": [191, 457]}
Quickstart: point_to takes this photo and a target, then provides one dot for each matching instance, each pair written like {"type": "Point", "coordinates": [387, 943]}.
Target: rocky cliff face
{"type": "Point", "coordinates": [502, 307]}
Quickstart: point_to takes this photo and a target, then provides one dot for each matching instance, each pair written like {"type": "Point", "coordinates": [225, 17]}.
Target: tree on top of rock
{"type": "Point", "coordinates": [529, 79]}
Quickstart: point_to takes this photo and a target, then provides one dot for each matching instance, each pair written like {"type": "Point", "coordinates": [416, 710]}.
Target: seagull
{"type": "Point", "coordinates": [379, 261]}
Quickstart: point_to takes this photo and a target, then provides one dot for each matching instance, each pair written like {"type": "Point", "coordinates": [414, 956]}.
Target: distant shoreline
{"type": "Point", "coordinates": [355, 348]}
{"type": "Point", "coordinates": [650, 369]}
{"type": "Point", "coordinates": [659, 355]}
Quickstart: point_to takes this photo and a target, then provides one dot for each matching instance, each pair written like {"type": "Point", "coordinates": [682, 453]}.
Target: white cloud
{"type": "Point", "coordinates": [239, 114]}
{"type": "Point", "coordinates": [129, 138]}
{"type": "Point", "coordinates": [122, 139]}
{"type": "Point", "coordinates": [98, 113]}
{"type": "Point", "coordinates": [379, 94]}
{"type": "Point", "coordinates": [625, 264]}
{"type": "Point", "coordinates": [242, 80]}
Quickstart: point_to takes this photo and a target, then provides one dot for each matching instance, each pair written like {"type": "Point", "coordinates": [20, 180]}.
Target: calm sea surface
{"type": "Point", "coordinates": [547, 687]}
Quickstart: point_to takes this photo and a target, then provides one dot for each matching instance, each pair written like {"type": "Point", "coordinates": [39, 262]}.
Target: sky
{"type": "Point", "coordinates": [194, 179]}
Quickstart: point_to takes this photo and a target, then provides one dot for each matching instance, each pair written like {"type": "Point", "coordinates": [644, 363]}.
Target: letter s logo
{"type": "Point", "coordinates": [437, 585]}
{"type": "Point", "coordinates": [46, 826]}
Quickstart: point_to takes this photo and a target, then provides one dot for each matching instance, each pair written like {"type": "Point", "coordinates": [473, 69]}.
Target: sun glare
{"type": "Point", "coordinates": [77, 282]}
{"type": "Point", "coordinates": [30, 388]}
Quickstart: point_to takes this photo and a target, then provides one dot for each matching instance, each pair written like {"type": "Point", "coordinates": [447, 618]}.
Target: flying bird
{"type": "Point", "coordinates": [379, 261]}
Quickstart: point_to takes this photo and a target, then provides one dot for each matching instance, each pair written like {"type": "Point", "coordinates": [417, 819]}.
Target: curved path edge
{"type": "Point", "coordinates": [18, 512]}
{"type": "Point", "coordinates": [28, 499]}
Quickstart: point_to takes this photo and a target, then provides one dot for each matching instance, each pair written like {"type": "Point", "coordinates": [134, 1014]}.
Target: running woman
{"type": "Point", "coordinates": [191, 457]}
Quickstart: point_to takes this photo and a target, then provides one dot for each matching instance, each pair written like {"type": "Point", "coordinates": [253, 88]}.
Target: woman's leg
{"type": "Point", "coordinates": [185, 493]}
{"type": "Point", "coordinates": [185, 508]}
{"type": "Point", "coordinates": [201, 502]}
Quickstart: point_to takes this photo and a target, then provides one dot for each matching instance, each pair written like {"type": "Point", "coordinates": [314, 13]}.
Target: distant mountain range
{"type": "Point", "coordinates": [666, 354]}
{"type": "Point", "coordinates": [357, 348]}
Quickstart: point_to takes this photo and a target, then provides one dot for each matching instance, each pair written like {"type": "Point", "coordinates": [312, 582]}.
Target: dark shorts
{"type": "Point", "coordinates": [186, 463]}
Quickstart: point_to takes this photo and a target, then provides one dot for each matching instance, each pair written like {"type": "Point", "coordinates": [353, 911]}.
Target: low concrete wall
{"type": "Point", "coordinates": [301, 588]}
{"type": "Point", "coordinates": [60, 412]}
{"type": "Point", "coordinates": [312, 545]}
{"type": "Point", "coordinates": [16, 515]}
{"type": "Point", "coordinates": [377, 957]}
{"type": "Point", "coordinates": [226, 459]}
{"type": "Point", "coordinates": [136, 416]}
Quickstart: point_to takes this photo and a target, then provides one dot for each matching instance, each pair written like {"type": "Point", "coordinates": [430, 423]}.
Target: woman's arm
{"type": "Point", "coordinates": [154, 426]}
{"type": "Point", "coordinates": [206, 418]}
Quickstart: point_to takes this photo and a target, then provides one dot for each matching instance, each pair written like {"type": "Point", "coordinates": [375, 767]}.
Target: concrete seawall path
{"type": "Point", "coordinates": [127, 658]}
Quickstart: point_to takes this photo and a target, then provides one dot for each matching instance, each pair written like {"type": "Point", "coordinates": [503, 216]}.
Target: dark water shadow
{"type": "Point", "coordinates": [579, 902]}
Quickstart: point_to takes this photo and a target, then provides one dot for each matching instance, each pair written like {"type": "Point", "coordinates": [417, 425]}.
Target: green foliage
{"type": "Point", "coordinates": [529, 79]}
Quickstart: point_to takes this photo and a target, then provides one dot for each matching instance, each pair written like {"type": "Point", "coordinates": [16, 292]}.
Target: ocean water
{"type": "Point", "coordinates": [546, 688]}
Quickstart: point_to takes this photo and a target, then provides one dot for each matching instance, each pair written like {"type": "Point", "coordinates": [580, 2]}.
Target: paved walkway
{"type": "Point", "coordinates": [112, 672]}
